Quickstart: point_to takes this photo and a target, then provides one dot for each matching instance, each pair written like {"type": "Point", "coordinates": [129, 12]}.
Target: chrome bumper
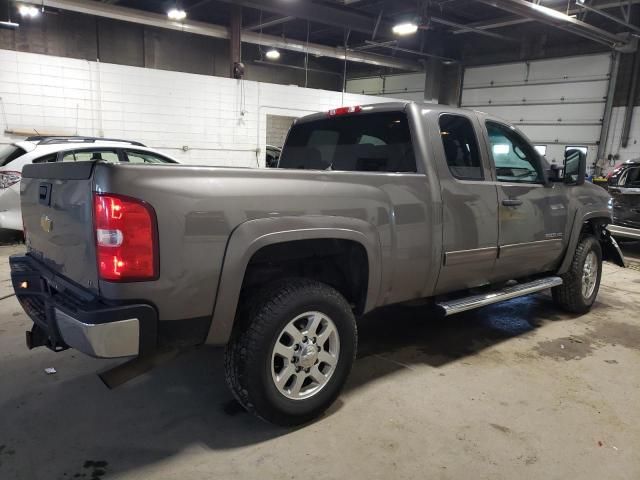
{"type": "Point", "coordinates": [66, 315]}
{"type": "Point", "coordinates": [107, 340]}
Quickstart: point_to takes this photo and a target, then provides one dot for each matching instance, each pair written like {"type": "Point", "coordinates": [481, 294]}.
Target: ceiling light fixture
{"type": "Point", "coordinates": [273, 54]}
{"type": "Point", "coordinates": [177, 14]}
{"type": "Point", "coordinates": [28, 11]}
{"type": "Point", "coordinates": [405, 28]}
{"type": "Point", "coordinates": [9, 24]}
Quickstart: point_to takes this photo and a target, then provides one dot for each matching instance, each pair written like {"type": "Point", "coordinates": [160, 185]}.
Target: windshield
{"type": "Point", "coordinates": [374, 142]}
{"type": "Point", "coordinates": [8, 153]}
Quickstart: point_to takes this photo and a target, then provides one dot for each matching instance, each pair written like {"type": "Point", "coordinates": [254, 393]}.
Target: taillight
{"type": "Point", "coordinates": [345, 110]}
{"type": "Point", "coordinates": [9, 178]}
{"type": "Point", "coordinates": [126, 238]}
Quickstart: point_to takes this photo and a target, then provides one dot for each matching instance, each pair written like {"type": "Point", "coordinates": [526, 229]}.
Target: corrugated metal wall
{"type": "Point", "coordinates": [556, 103]}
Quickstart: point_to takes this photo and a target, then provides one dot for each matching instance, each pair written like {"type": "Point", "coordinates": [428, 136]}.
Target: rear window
{"type": "Point", "coordinates": [9, 153]}
{"type": "Point", "coordinates": [375, 142]}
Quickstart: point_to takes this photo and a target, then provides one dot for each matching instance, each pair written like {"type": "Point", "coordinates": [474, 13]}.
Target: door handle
{"type": "Point", "coordinates": [510, 202]}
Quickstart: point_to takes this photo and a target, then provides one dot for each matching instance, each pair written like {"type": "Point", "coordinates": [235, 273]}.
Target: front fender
{"type": "Point", "coordinates": [252, 235]}
{"type": "Point", "coordinates": [610, 249]}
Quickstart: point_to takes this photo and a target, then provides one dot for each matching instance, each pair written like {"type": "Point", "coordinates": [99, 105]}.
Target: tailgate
{"type": "Point", "coordinates": [57, 213]}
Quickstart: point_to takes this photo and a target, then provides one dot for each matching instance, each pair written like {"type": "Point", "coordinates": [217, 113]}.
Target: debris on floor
{"type": "Point", "coordinates": [50, 371]}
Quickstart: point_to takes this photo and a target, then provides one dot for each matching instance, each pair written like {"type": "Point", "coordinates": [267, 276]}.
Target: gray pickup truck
{"type": "Point", "coordinates": [369, 206]}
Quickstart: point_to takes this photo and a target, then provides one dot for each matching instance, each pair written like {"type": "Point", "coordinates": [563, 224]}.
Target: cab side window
{"type": "Point", "coordinates": [52, 157]}
{"type": "Point", "coordinates": [145, 157]}
{"type": "Point", "coordinates": [515, 160]}
{"type": "Point", "coordinates": [460, 147]}
{"type": "Point", "coordinates": [110, 156]}
{"type": "Point", "coordinates": [630, 178]}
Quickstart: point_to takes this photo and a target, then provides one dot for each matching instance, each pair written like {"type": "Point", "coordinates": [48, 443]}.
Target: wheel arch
{"type": "Point", "coordinates": [254, 235]}
{"type": "Point", "coordinates": [593, 222]}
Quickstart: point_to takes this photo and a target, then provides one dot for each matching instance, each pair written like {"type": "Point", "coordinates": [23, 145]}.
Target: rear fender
{"type": "Point", "coordinates": [253, 235]}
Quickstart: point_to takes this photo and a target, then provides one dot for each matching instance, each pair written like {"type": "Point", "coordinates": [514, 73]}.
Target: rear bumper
{"type": "Point", "coordinates": [624, 232]}
{"type": "Point", "coordinates": [68, 316]}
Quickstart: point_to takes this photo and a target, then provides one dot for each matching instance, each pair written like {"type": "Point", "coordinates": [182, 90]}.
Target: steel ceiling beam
{"type": "Point", "coordinates": [218, 31]}
{"type": "Point", "coordinates": [272, 22]}
{"type": "Point", "coordinates": [608, 16]}
{"type": "Point", "coordinates": [449, 23]}
{"type": "Point", "coordinates": [305, 10]}
{"type": "Point", "coordinates": [559, 20]}
{"type": "Point", "coordinates": [505, 22]}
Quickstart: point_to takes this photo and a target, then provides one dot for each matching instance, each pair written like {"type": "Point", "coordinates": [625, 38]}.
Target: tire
{"type": "Point", "coordinates": [257, 373]}
{"type": "Point", "coordinates": [571, 295]}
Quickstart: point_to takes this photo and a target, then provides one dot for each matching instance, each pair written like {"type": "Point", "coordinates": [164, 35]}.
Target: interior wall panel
{"type": "Point", "coordinates": [557, 103]}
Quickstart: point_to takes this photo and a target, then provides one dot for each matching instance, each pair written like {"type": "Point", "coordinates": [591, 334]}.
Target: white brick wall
{"type": "Point", "coordinates": [163, 109]}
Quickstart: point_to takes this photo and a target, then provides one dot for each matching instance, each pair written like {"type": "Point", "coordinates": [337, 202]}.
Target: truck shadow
{"type": "Point", "coordinates": [74, 420]}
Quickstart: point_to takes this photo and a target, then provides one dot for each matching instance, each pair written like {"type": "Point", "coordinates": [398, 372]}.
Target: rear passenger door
{"type": "Point", "coordinates": [533, 216]}
{"type": "Point", "coordinates": [469, 203]}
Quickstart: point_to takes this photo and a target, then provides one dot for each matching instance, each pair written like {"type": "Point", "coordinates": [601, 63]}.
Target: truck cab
{"type": "Point", "coordinates": [368, 206]}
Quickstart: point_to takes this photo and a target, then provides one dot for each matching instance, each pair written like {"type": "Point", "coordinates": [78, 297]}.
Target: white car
{"type": "Point", "coordinates": [41, 149]}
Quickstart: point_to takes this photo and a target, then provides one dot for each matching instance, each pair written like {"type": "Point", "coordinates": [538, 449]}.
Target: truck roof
{"type": "Point", "coordinates": [392, 107]}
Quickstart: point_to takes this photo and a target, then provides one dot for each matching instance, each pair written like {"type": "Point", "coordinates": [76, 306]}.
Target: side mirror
{"type": "Point", "coordinates": [575, 167]}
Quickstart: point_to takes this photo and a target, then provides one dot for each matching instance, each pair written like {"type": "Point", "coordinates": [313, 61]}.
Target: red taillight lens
{"type": "Point", "coordinates": [126, 239]}
{"type": "Point", "coordinates": [345, 110]}
{"type": "Point", "coordinates": [9, 178]}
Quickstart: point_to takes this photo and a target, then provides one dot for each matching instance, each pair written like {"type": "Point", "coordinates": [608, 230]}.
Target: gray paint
{"type": "Point", "coordinates": [212, 220]}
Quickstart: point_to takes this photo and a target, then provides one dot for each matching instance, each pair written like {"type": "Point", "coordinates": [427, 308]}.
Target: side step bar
{"type": "Point", "coordinates": [476, 301]}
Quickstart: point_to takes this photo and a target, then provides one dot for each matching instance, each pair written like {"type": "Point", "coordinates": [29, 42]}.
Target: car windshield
{"type": "Point", "coordinates": [8, 153]}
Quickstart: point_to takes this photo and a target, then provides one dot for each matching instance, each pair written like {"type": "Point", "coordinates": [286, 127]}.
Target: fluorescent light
{"type": "Point", "coordinates": [550, 11]}
{"type": "Point", "coordinates": [28, 11]}
{"type": "Point", "coordinates": [273, 54]}
{"type": "Point", "coordinates": [177, 14]}
{"type": "Point", "coordinates": [9, 25]}
{"type": "Point", "coordinates": [406, 28]}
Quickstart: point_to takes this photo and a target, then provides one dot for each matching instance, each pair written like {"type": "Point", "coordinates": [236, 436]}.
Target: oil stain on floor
{"type": "Point", "coordinates": [581, 346]}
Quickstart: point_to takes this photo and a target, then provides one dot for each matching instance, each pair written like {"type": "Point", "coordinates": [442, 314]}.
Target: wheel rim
{"type": "Point", "coordinates": [589, 274]}
{"type": "Point", "coordinates": [305, 355]}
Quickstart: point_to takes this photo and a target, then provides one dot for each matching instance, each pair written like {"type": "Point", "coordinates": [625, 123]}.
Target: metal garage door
{"type": "Point", "coordinates": [557, 103]}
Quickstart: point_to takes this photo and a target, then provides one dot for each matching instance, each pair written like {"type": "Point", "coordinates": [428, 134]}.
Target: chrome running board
{"type": "Point", "coordinates": [476, 301]}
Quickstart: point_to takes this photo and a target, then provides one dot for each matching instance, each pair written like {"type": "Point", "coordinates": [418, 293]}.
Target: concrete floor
{"type": "Point", "coordinates": [512, 391]}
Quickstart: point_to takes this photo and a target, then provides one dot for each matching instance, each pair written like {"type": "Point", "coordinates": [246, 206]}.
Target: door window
{"type": "Point", "coordinates": [110, 156]}
{"type": "Point", "coordinates": [460, 147]}
{"type": "Point", "coordinates": [145, 157]}
{"type": "Point", "coordinates": [514, 158]}
{"type": "Point", "coordinates": [630, 178]}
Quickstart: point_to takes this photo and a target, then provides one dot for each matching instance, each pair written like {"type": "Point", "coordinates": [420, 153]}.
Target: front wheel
{"type": "Point", "coordinates": [293, 351]}
{"type": "Point", "coordinates": [582, 282]}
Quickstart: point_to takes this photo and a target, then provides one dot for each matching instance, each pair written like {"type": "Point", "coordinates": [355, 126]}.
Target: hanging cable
{"type": "Point", "coordinates": [306, 57]}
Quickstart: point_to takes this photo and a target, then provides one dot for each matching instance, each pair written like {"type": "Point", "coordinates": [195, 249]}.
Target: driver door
{"type": "Point", "coordinates": [532, 215]}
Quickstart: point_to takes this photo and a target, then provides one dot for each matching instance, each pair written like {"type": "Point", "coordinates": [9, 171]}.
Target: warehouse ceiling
{"type": "Point", "coordinates": [452, 31]}
{"type": "Point", "coordinates": [447, 27]}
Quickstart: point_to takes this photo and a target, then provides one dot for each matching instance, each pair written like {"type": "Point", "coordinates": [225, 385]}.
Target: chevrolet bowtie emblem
{"type": "Point", "coordinates": [46, 223]}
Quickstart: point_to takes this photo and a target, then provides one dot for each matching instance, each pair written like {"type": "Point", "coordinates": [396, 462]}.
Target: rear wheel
{"type": "Point", "coordinates": [293, 351]}
{"type": "Point", "coordinates": [582, 282]}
